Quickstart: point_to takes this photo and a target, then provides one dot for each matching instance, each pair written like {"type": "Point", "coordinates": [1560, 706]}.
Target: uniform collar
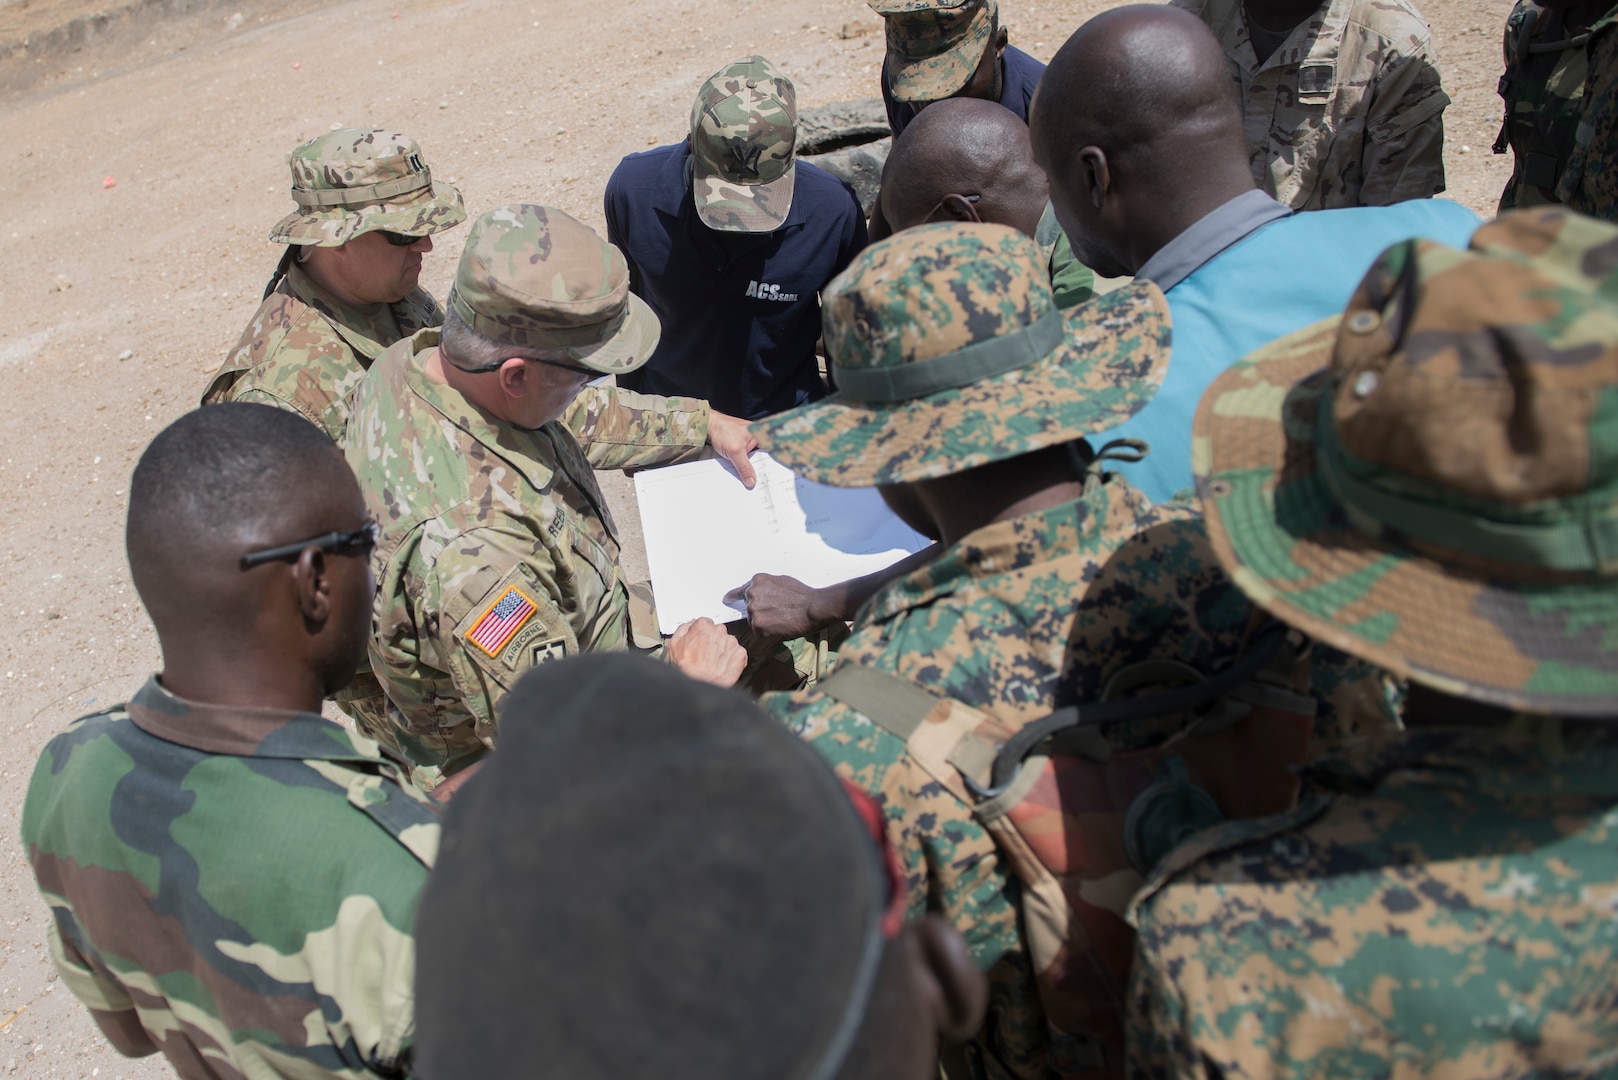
{"type": "Point", "coordinates": [1532, 757]}
{"type": "Point", "coordinates": [1187, 253]}
{"type": "Point", "coordinates": [245, 732]}
{"type": "Point", "coordinates": [1007, 546]}
{"type": "Point", "coordinates": [362, 326]}
{"type": "Point", "coordinates": [532, 453]}
{"type": "Point", "coordinates": [1315, 40]}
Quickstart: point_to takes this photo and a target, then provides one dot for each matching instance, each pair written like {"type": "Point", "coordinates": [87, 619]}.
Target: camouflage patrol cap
{"type": "Point", "coordinates": [356, 180]}
{"type": "Point", "coordinates": [533, 277]}
{"type": "Point", "coordinates": [934, 46]}
{"type": "Point", "coordinates": [1430, 480]}
{"type": "Point", "coordinates": [744, 131]}
{"type": "Point", "coordinates": [949, 352]}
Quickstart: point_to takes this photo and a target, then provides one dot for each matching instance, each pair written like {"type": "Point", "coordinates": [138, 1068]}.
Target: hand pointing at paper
{"type": "Point", "coordinates": [732, 439]}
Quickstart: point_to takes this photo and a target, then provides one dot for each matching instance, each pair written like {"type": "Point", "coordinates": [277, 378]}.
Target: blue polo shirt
{"type": "Point", "coordinates": [1022, 74]}
{"type": "Point", "coordinates": [1246, 274]}
{"type": "Point", "coordinates": [740, 311]}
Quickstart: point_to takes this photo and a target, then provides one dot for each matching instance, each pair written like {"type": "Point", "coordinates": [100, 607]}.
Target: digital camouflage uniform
{"type": "Point", "coordinates": [497, 550]}
{"type": "Point", "coordinates": [1547, 63]}
{"type": "Point", "coordinates": [1349, 111]}
{"type": "Point", "coordinates": [1589, 183]}
{"type": "Point", "coordinates": [1021, 616]}
{"type": "Point", "coordinates": [244, 879]}
{"type": "Point", "coordinates": [744, 135]}
{"type": "Point", "coordinates": [1439, 498]}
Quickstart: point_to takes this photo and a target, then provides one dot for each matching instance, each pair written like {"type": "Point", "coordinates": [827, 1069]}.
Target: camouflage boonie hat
{"type": "Point", "coordinates": [934, 46]}
{"type": "Point", "coordinates": [949, 352]}
{"type": "Point", "coordinates": [744, 130]}
{"type": "Point", "coordinates": [1441, 497]}
{"type": "Point", "coordinates": [533, 277]}
{"type": "Point", "coordinates": [354, 181]}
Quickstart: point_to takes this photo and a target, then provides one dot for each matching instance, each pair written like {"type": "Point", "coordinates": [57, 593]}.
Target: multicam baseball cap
{"type": "Point", "coordinates": [356, 180]}
{"type": "Point", "coordinates": [533, 277]}
{"type": "Point", "coordinates": [934, 46]}
{"type": "Point", "coordinates": [949, 352]}
{"type": "Point", "coordinates": [1430, 480]}
{"type": "Point", "coordinates": [744, 129]}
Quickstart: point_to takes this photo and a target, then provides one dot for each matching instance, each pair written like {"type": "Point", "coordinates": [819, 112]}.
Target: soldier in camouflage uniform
{"type": "Point", "coordinates": [1589, 182]}
{"type": "Point", "coordinates": [1547, 65]}
{"type": "Point", "coordinates": [964, 394]}
{"type": "Point", "coordinates": [1341, 99]}
{"type": "Point", "coordinates": [232, 878]}
{"type": "Point", "coordinates": [497, 551]}
{"type": "Point", "coordinates": [346, 288]}
{"type": "Point", "coordinates": [1429, 481]}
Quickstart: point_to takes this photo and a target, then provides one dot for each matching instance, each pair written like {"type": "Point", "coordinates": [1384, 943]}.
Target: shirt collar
{"type": "Point", "coordinates": [1005, 546]}
{"type": "Point", "coordinates": [1214, 232]}
{"type": "Point", "coordinates": [1317, 39]}
{"type": "Point", "coordinates": [243, 731]}
{"type": "Point", "coordinates": [531, 453]}
{"type": "Point", "coordinates": [364, 326]}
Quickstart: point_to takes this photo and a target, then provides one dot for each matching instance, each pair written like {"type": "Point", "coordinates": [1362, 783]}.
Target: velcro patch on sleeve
{"type": "Point", "coordinates": [493, 630]}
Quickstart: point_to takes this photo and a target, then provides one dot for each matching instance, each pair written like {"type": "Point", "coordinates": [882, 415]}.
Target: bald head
{"type": "Point", "coordinates": [963, 159]}
{"type": "Point", "coordinates": [1146, 93]}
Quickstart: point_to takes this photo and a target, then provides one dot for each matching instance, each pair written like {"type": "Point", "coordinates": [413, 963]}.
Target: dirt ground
{"type": "Point", "coordinates": [139, 178]}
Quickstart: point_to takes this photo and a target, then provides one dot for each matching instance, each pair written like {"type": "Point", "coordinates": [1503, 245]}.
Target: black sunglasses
{"type": "Point", "coordinates": [575, 368]}
{"type": "Point", "coordinates": [358, 542]}
{"type": "Point", "coordinates": [399, 239]}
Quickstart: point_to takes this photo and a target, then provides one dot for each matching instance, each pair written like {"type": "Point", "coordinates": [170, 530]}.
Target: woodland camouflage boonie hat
{"type": "Point", "coordinates": [354, 181]}
{"type": "Point", "coordinates": [949, 352]}
{"type": "Point", "coordinates": [744, 131]}
{"type": "Point", "coordinates": [934, 46]}
{"type": "Point", "coordinates": [1442, 497]}
{"type": "Point", "coordinates": [533, 277]}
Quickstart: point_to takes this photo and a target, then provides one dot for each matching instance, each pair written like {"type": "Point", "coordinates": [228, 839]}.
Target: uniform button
{"type": "Point", "coordinates": [1365, 383]}
{"type": "Point", "coordinates": [1363, 322]}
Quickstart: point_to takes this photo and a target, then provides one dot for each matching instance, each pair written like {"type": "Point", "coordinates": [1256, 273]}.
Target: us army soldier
{"type": "Point", "coordinates": [497, 551]}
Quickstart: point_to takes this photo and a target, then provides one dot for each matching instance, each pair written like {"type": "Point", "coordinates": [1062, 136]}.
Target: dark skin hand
{"type": "Point", "coordinates": [787, 608]}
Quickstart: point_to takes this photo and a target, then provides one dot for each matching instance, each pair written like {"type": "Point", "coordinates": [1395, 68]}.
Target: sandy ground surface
{"type": "Point", "coordinates": [138, 182]}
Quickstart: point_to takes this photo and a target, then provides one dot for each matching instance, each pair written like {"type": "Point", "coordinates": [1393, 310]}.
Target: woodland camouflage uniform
{"type": "Point", "coordinates": [1019, 617]}
{"type": "Point", "coordinates": [1427, 481]}
{"type": "Point", "coordinates": [1349, 111]}
{"type": "Point", "coordinates": [497, 550]}
{"type": "Point", "coordinates": [245, 879]}
{"type": "Point", "coordinates": [1547, 66]}
{"type": "Point", "coordinates": [1589, 183]}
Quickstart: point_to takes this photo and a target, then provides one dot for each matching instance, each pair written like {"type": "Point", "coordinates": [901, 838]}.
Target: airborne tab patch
{"type": "Point", "coordinates": [501, 620]}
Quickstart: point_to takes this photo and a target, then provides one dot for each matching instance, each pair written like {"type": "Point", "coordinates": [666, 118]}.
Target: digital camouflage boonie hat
{"type": "Point", "coordinates": [354, 181]}
{"type": "Point", "coordinates": [934, 46]}
{"type": "Point", "coordinates": [1430, 480]}
{"type": "Point", "coordinates": [744, 131]}
{"type": "Point", "coordinates": [949, 352]}
{"type": "Point", "coordinates": [533, 277]}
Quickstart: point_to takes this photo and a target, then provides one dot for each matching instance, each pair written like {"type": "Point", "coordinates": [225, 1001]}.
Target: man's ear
{"type": "Point", "coordinates": [516, 380]}
{"type": "Point", "coordinates": [311, 575]}
{"type": "Point", "coordinates": [958, 208]}
{"type": "Point", "coordinates": [1095, 174]}
{"type": "Point", "coordinates": [1002, 38]}
{"type": "Point", "coordinates": [947, 978]}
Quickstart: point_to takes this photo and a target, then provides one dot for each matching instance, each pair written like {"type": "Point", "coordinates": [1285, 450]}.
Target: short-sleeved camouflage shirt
{"type": "Point", "coordinates": [497, 550]}
{"type": "Point", "coordinates": [1349, 111]}
{"type": "Point", "coordinates": [1440, 904]}
{"type": "Point", "coordinates": [1018, 619]}
{"type": "Point", "coordinates": [245, 879]}
{"type": "Point", "coordinates": [306, 350]}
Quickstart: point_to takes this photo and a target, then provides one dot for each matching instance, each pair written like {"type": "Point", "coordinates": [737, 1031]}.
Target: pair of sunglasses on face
{"type": "Point", "coordinates": [360, 541]}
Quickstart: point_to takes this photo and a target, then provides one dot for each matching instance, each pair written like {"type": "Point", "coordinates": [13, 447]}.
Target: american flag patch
{"type": "Point", "coordinates": [501, 620]}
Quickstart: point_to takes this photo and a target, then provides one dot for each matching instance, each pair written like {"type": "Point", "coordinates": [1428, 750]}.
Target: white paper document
{"type": "Point", "coordinates": [706, 534]}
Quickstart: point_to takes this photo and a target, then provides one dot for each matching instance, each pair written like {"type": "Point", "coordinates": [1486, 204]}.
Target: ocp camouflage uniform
{"type": "Point", "coordinates": [1543, 90]}
{"type": "Point", "coordinates": [1589, 183]}
{"type": "Point", "coordinates": [1349, 111]}
{"type": "Point", "coordinates": [1019, 617]}
{"type": "Point", "coordinates": [497, 549]}
{"type": "Point", "coordinates": [1439, 498]}
{"type": "Point", "coordinates": [245, 879]}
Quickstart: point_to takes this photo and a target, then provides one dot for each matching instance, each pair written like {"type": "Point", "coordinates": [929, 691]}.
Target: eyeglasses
{"type": "Point", "coordinates": [399, 239]}
{"type": "Point", "coordinates": [575, 368]}
{"type": "Point", "coordinates": [359, 542]}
